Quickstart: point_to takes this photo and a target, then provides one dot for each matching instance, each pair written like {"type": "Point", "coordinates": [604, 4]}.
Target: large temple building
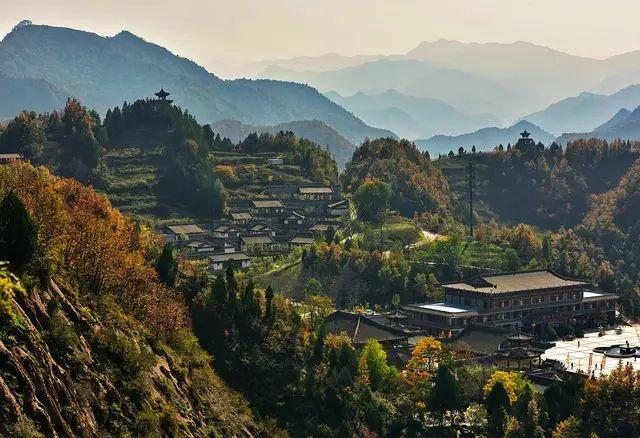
{"type": "Point", "coordinates": [525, 299]}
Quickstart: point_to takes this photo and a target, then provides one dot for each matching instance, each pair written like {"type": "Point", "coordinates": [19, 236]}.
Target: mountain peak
{"type": "Point", "coordinates": [21, 24]}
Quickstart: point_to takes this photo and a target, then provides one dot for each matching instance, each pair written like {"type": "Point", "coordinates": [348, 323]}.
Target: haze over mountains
{"type": "Point", "coordinates": [410, 116]}
{"type": "Point", "coordinates": [447, 90]}
{"type": "Point", "coordinates": [624, 125]}
{"type": "Point", "coordinates": [584, 112]}
{"type": "Point", "coordinates": [103, 72]}
{"type": "Point", "coordinates": [504, 80]}
{"type": "Point", "coordinates": [313, 130]}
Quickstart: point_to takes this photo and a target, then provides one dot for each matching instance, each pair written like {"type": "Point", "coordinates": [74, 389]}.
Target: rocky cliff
{"type": "Point", "coordinates": [69, 370]}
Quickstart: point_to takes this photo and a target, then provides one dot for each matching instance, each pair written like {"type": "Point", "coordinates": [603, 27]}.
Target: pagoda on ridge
{"type": "Point", "coordinates": [525, 142]}
{"type": "Point", "coordinates": [162, 96]}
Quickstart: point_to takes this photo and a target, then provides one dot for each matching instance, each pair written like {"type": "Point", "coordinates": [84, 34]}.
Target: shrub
{"type": "Point", "coordinates": [61, 338]}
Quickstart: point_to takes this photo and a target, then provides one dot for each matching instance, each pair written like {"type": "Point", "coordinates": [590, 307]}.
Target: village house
{"type": "Point", "coordinates": [185, 233]}
{"type": "Point", "coordinates": [277, 161]}
{"type": "Point", "coordinates": [223, 261]}
{"type": "Point", "coordinates": [339, 209]}
{"type": "Point", "coordinates": [7, 158]}
{"type": "Point", "coordinates": [528, 299]}
{"type": "Point", "coordinates": [281, 190]}
{"type": "Point", "coordinates": [261, 228]}
{"type": "Point", "coordinates": [226, 231]}
{"type": "Point", "coordinates": [240, 217]}
{"type": "Point", "coordinates": [360, 328]}
{"type": "Point", "coordinates": [300, 240]}
{"type": "Point", "coordinates": [210, 245]}
{"type": "Point", "coordinates": [294, 218]}
{"type": "Point", "coordinates": [257, 244]}
{"type": "Point", "coordinates": [322, 193]}
{"type": "Point", "coordinates": [262, 207]}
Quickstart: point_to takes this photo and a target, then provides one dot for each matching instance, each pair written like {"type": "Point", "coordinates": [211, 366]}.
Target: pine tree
{"type": "Point", "coordinates": [447, 395]}
{"type": "Point", "coordinates": [18, 232]}
{"type": "Point", "coordinates": [167, 265]}
{"type": "Point", "coordinates": [232, 288]}
{"type": "Point", "coordinates": [269, 313]}
{"type": "Point", "coordinates": [219, 291]}
{"type": "Point", "coordinates": [498, 407]}
{"type": "Point", "coordinates": [546, 249]}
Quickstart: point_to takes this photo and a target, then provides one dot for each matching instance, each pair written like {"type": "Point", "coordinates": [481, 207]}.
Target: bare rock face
{"type": "Point", "coordinates": [66, 372]}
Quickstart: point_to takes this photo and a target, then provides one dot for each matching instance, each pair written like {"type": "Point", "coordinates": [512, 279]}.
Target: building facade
{"type": "Point", "coordinates": [534, 298]}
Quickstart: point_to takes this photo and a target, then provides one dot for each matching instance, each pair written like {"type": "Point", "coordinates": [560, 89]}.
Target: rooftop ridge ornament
{"type": "Point", "coordinates": [525, 134]}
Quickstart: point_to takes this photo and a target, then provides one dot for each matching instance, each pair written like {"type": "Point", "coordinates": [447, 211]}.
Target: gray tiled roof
{"type": "Point", "coordinates": [268, 203]}
{"type": "Point", "coordinates": [514, 282]}
{"type": "Point", "coordinates": [223, 257]}
{"type": "Point", "coordinates": [361, 328]}
{"type": "Point", "coordinates": [186, 229]}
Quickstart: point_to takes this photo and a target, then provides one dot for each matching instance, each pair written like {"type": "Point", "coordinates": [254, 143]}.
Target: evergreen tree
{"type": "Point", "coordinates": [18, 232]}
{"type": "Point", "coordinates": [232, 288]}
{"type": "Point", "coordinates": [446, 395]}
{"type": "Point", "coordinates": [546, 249]}
{"type": "Point", "coordinates": [269, 314]}
{"type": "Point", "coordinates": [167, 265]}
{"type": "Point", "coordinates": [318, 345]}
{"type": "Point", "coordinates": [521, 407]}
{"type": "Point", "coordinates": [219, 292]}
{"type": "Point", "coordinates": [498, 407]}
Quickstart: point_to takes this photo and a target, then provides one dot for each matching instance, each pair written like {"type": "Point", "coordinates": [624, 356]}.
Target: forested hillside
{"type": "Point", "coordinates": [102, 72]}
{"type": "Point", "coordinates": [314, 130]}
{"type": "Point", "coordinates": [417, 185]}
{"type": "Point", "coordinates": [546, 187]}
{"type": "Point", "coordinates": [91, 343]}
{"type": "Point", "coordinates": [155, 160]}
{"type": "Point", "coordinates": [483, 139]}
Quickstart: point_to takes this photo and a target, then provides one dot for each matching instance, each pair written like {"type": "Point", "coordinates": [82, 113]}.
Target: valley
{"type": "Point", "coordinates": [440, 241]}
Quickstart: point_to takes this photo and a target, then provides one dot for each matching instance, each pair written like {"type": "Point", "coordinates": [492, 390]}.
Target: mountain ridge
{"type": "Point", "coordinates": [484, 139]}
{"type": "Point", "coordinates": [314, 130]}
{"type": "Point", "coordinates": [104, 71]}
{"type": "Point", "coordinates": [410, 116]}
{"type": "Point", "coordinates": [584, 112]}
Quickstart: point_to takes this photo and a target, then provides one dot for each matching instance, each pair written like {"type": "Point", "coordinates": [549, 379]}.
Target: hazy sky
{"type": "Point", "coordinates": [214, 32]}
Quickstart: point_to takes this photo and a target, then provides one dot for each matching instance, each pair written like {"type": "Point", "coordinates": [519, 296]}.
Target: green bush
{"type": "Point", "coordinates": [61, 337]}
{"type": "Point", "coordinates": [147, 423]}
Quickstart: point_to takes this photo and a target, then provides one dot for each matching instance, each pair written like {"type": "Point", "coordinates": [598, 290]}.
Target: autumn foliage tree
{"type": "Point", "coordinates": [417, 185]}
{"type": "Point", "coordinates": [92, 247]}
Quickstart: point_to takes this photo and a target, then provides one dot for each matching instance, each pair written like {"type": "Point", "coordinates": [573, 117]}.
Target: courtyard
{"type": "Point", "coordinates": [575, 354]}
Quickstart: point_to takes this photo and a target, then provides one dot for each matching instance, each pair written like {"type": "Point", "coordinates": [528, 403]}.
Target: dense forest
{"type": "Point", "coordinates": [417, 185]}
{"type": "Point", "coordinates": [545, 186]}
{"type": "Point", "coordinates": [149, 149]}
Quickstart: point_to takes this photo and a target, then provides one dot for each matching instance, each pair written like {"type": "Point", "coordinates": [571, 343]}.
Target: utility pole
{"type": "Point", "coordinates": [471, 180]}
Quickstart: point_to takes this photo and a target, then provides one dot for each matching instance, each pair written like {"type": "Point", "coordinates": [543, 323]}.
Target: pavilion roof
{"type": "Point", "coordinates": [162, 94]}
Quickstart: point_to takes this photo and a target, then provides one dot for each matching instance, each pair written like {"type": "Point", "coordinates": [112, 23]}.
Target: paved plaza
{"type": "Point", "coordinates": [577, 357]}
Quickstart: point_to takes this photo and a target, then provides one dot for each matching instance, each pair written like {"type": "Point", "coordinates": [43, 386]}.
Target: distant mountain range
{"type": "Point", "coordinates": [42, 65]}
{"type": "Point", "coordinates": [484, 139]}
{"type": "Point", "coordinates": [313, 130]}
{"type": "Point", "coordinates": [411, 117]}
{"type": "Point", "coordinates": [467, 91]}
{"type": "Point", "coordinates": [506, 80]}
{"type": "Point", "coordinates": [584, 112]}
{"type": "Point", "coordinates": [329, 61]}
{"type": "Point", "coordinates": [624, 125]}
